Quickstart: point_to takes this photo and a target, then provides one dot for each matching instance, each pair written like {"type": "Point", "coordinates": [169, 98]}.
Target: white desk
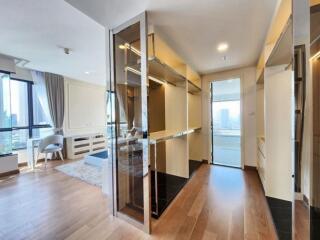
{"type": "Point", "coordinates": [31, 144]}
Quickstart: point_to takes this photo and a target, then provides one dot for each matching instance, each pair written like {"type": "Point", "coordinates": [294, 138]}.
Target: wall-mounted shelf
{"type": "Point", "coordinates": [159, 71]}
{"type": "Point", "coordinates": [162, 71]}
{"type": "Point", "coordinates": [195, 128]}
{"type": "Point", "coordinates": [280, 53]}
{"type": "Point", "coordinates": [192, 88]}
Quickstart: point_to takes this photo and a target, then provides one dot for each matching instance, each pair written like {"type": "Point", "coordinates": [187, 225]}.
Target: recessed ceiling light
{"type": "Point", "coordinates": [222, 47]}
{"type": "Point", "coordinates": [87, 72]}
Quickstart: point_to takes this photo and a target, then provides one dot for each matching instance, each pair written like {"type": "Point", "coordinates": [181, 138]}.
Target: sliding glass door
{"type": "Point", "coordinates": [226, 122]}
{"type": "Point", "coordinates": [130, 133]}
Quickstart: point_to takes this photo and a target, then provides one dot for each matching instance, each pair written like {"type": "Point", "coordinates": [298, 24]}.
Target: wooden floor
{"type": "Point", "coordinates": [217, 203]}
{"type": "Point", "coordinates": [301, 225]}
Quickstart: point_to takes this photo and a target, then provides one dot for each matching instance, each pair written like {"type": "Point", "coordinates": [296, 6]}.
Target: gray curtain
{"type": "Point", "coordinates": [55, 92]}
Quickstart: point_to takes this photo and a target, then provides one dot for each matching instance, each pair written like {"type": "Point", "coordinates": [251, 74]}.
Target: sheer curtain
{"type": "Point", "coordinates": [41, 93]}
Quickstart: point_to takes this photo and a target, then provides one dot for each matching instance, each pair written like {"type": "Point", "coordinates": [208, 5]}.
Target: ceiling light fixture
{"type": "Point", "coordinates": [67, 51]}
{"type": "Point", "coordinates": [87, 72]}
{"type": "Point", "coordinates": [222, 47]}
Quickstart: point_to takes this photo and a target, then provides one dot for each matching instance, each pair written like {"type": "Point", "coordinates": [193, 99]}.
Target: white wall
{"type": "Point", "coordinates": [248, 77]}
{"type": "Point", "coordinates": [85, 107]}
{"type": "Point", "coordinates": [278, 132]}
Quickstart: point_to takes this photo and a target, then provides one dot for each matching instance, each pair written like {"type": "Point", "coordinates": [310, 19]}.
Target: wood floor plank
{"type": "Point", "coordinates": [217, 203]}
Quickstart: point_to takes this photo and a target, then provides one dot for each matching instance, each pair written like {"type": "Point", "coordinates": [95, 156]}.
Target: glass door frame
{"type": "Point", "coordinates": [142, 19]}
{"type": "Point", "coordinates": [242, 164]}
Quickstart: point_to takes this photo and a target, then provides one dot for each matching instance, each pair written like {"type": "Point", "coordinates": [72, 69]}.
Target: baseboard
{"type": "Point", "coordinates": [305, 200]}
{"type": "Point", "coordinates": [24, 164]}
{"type": "Point", "coordinates": [205, 161]}
{"type": "Point", "coordinates": [301, 197]}
{"type": "Point", "coordinates": [6, 174]}
{"type": "Point", "coordinates": [246, 167]}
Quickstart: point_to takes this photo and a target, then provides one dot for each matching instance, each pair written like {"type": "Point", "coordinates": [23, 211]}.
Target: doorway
{"type": "Point", "coordinates": [226, 121]}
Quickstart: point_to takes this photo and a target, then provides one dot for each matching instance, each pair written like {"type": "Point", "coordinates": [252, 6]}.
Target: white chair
{"type": "Point", "coordinates": [51, 144]}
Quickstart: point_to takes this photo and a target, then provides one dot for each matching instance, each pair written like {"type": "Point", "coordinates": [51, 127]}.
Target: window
{"type": "Point", "coordinates": [111, 115]}
{"type": "Point", "coordinates": [39, 117]}
{"type": "Point", "coordinates": [21, 114]}
{"type": "Point", "coordinates": [5, 113]}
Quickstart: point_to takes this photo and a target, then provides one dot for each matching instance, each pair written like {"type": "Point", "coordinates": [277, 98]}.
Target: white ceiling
{"type": "Point", "coordinates": [195, 28]}
{"type": "Point", "coordinates": [34, 30]}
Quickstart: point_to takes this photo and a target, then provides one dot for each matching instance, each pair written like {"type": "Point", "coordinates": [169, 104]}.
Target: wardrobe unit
{"type": "Point", "coordinates": [174, 120]}
{"type": "Point", "coordinates": [173, 115]}
{"type": "Point", "coordinates": [274, 116]}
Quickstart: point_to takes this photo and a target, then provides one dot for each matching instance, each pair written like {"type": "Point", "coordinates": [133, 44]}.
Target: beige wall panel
{"type": "Point", "coordinates": [85, 107]}
{"type": "Point", "coordinates": [176, 108]}
{"type": "Point", "coordinates": [194, 110]}
{"type": "Point", "coordinates": [177, 157]}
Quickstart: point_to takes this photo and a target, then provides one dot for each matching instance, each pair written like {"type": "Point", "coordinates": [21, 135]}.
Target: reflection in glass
{"type": "Point", "coordinates": [315, 79]}
{"type": "Point", "coordinates": [128, 122]}
{"type": "Point", "coordinates": [303, 200]}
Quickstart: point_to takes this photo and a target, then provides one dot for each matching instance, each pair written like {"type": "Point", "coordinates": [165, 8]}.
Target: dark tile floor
{"type": "Point", "coordinates": [193, 166]}
{"type": "Point", "coordinates": [281, 212]}
{"type": "Point", "coordinates": [168, 188]}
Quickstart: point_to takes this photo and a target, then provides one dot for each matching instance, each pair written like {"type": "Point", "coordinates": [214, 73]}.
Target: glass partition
{"type": "Point", "coordinates": [128, 91]}
{"type": "Point", "coordinates": [313, 90]}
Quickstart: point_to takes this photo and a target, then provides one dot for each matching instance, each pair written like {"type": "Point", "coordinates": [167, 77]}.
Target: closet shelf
{"type": "Point", "coordinates": [195, 128]}
{"type": "Point", "coordinates": [192, 88]}
{"type": "Point", "coordinates": [161, 136]}
{"type": "Point", "coordinates": [159, 71]}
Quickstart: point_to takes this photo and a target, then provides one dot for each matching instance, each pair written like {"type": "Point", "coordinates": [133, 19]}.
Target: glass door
{"type": "Point", "coordinates": [226, 122]}
{"type": "Point", "coordinates": [130, 132]}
